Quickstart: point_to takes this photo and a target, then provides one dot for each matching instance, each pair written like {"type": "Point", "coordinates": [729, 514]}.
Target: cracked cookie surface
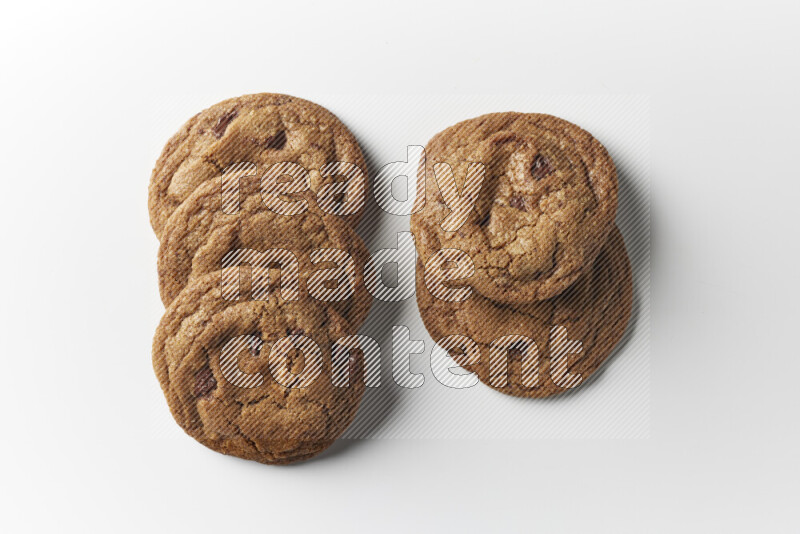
{"type": "Point", "coordinates": [230, 401]}
{"type": "Point", "coordinates": [199, 234]}
{"type": "Point", "coordinates": [263, 129]}
{"type": "Point", "coordinates": [546, 205]}
{"type": "Point", "coordinates": [594, 311]}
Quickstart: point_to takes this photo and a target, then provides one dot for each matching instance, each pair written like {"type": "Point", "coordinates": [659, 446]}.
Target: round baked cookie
{"type": "Point", "coordinates": [546, 204]}
{"type": "Point", "coordinates": [231, 395]}
{"type": "Point", "coordinates": [594, 311]}
{"type": "Point", "coordinates": [199, 235]}
{"type": "Point", "coordinates": [262, 129]}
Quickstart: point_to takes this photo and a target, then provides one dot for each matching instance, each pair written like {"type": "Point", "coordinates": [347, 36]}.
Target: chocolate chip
{"type": "Point", "coordinates": [254, 348]}
{"type": "Point", "coordinates": [222, 124]}
{"type": "Point", "coordinates": [540, 167]}
{"type": "Point", "coordinates": [519, 345]}
{"type": "Point", "coordinates": [277, 141]}
{"type": "Point", "coordinates": [517, 350]}
{"type": "Point", "coordinates": [485, 219]}
{"type": "Point", "coordinates": [204, 383]}
{"type": "Point", "coordinates": [518, 203]}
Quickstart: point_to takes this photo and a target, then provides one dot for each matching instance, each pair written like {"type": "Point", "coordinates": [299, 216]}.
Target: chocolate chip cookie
{"type": "Point", "coordinates": [542, 348]}
{"type": "Point", "coordinates": [265, 130]}
{"type": "Point", "coordinates": [243, 378]}
{"type": "Point", "coordinates": [327, 255]}
{"type": "Point", "coordinates": [546, 203]}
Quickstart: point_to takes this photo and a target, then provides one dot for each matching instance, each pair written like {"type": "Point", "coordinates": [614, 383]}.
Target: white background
{"type": "Point", "coordinates": [88, 90]}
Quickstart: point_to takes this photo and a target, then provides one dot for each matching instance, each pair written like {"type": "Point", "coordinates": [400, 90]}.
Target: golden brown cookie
{"type": "Point", "coordinates": [537, 341]}
{"type": "Point", "coordinates": [254, 400]}
{"type": "Point", "coordinates": [199, 235]}
{"type": "Point", "coordinates": [546, 204]}
{"type": "Point", "coordinates": [263, 129]}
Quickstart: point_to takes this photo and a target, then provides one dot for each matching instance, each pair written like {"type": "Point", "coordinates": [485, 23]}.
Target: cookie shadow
{"type": "Point", "coordinates": [379, 403]}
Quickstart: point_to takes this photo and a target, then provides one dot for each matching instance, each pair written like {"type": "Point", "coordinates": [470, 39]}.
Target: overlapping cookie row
{"type": "Point", "coordinates": [262, 420]}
